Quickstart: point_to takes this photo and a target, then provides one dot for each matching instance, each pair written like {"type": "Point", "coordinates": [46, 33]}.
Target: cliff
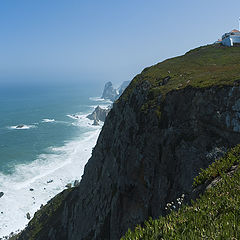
{"type": "Point", "coordinates": [175, 118]}
{"type": "Point", "coordinates": [214, 215]}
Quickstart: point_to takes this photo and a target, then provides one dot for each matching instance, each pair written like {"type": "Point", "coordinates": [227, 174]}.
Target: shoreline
{"type": "Point", "coordinates": [27, 196]}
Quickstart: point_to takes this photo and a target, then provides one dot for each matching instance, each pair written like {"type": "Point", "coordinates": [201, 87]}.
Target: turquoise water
{"type": "Point", "coordinates": [29, 105]}
{"type": "Point", "coordinates": [49, 152]}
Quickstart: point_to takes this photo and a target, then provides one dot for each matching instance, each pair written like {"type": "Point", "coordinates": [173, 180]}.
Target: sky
{"type": "Point", "coordinates": [93, 40]}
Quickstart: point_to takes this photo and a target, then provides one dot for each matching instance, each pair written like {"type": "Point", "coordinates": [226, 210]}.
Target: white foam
{"type": "Point", "coordinates": [73, 116]}
{"type": "Point", "coordinates": [22, 127]}
{"type": "Point", "coordinates": [103, 106]}
{"type": "Point", "coordinates": [59, 167]}
{"type": "Point", "coordinates": [47, 120]}
{"type": "Point", "coordinates": [98, 99]}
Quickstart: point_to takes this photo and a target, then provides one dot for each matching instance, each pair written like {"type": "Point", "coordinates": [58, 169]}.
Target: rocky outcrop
{"type": "Point", "coordinates": [109, 92]}
{"type": "Point", "coordinates": [99, 114]}
{"type": "Point", "coordinates": [200, 189]}
{"type": "Point", "coordinates": [20, 126]}
{"type": "Point", "coordinates": [95, 123]}
{"type": "Point", "coordinates": [28, 216]}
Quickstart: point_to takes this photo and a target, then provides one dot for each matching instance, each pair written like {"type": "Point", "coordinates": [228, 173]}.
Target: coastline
{"type": "Point", "coordinates": [42, 180]}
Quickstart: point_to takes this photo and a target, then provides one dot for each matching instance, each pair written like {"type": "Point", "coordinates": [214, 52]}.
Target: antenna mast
{"type": "Point", "coordinates": [239, 23]}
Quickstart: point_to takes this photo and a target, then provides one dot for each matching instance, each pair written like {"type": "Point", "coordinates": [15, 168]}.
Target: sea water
{"type": "Point", "coordinates": [45, 141]}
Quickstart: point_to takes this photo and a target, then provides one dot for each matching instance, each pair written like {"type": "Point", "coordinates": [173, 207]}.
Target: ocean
{"type": "Point", "coordinates": [45, 141]}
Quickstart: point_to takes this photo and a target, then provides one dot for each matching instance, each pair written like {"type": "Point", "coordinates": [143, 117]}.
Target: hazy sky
{"type": "Point", "coordinates": [102, 40]}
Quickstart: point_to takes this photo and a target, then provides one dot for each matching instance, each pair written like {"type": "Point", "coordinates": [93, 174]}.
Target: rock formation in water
{"type": "Point", "coordinates": [99, 114]}
{"type": "Point", "coordinates": [111, 93]}
{"type": "Point", "coordinates": [154, 141]}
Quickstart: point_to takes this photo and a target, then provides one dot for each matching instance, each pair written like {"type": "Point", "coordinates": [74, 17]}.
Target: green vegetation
{"type": "Point", "coordinates": [215, 215]}
{"type": "Point", "coordinates": [219, 166]}
{"type": "Point", "coordinates": [212, 65]}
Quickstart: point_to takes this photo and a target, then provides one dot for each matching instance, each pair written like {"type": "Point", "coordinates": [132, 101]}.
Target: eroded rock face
{"type": "Point", "coordinates": [143, 160]}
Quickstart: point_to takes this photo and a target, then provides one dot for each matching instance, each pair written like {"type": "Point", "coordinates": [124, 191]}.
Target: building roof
{"type": "Point", "coordinates": [235, 30]}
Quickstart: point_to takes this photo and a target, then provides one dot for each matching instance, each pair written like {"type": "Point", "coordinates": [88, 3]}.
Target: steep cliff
{"type": "Point", "coordinates": [173, 119]}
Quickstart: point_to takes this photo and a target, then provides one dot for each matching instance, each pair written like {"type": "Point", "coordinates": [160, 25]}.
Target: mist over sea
{"type": "Point", "coordinates": [43, 145]}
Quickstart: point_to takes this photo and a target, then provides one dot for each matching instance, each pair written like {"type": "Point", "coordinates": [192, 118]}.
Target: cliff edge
{"type": "Point", "coordinates": [174, 118]}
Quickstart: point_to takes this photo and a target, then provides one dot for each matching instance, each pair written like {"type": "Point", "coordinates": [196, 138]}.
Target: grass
{"type": "Point", "coordinates": [221, 165]}
{"type": "Point", "coordinates": [215, 215]}
{"type": "Point", "coordinates": [211, 65]}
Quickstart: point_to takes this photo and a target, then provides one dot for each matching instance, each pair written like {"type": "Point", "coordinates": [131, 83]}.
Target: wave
{"type": "Point", "coordinates": [46, 177]}
{"type": "Point", "coordinates": [47, 120]}
{"type": "Point", "coordinates": [74, 116]}
{"type": "Point", "coordinates": [83, 121]}
{"type": "Point", "coordinates": [103, 106]}
{"type": "Point", "coordinates": [98, 99]}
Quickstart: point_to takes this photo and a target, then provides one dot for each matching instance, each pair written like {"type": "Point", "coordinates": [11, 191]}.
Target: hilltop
{"type": "Point", "coordinates": [206, 66]}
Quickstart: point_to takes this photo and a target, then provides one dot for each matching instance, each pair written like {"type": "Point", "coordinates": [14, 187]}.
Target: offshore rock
{"type": "Point", "coordinates": [109, 92]}
{"type": "Point", "coordinates": [113, 94]}
{"type": "Point", "coordinates": [28, 216]}
{"type": "Point", "coordinates": [99, 114]}
{"type": "Point", "coordinates": [95, 122]}
{"type": "Point", "coordinates": [76, 183]}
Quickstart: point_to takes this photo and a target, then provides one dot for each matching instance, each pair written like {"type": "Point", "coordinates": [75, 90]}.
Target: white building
{"type": "Point", "coordinates": [232, 38]}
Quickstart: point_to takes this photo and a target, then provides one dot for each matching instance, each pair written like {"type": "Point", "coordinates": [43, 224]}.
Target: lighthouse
{"type": "Point", "coordinates": [232, 38]}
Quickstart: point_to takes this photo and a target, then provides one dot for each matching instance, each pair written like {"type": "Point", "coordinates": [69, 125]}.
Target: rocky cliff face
{"type": "Point", "coordinates": [144, 158]}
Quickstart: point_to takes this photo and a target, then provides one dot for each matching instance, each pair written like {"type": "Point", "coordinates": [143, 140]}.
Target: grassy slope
{"type": "Point", "coordinates": [206, 66]}
{"type": "Point", "coordinates": [215, 215]}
